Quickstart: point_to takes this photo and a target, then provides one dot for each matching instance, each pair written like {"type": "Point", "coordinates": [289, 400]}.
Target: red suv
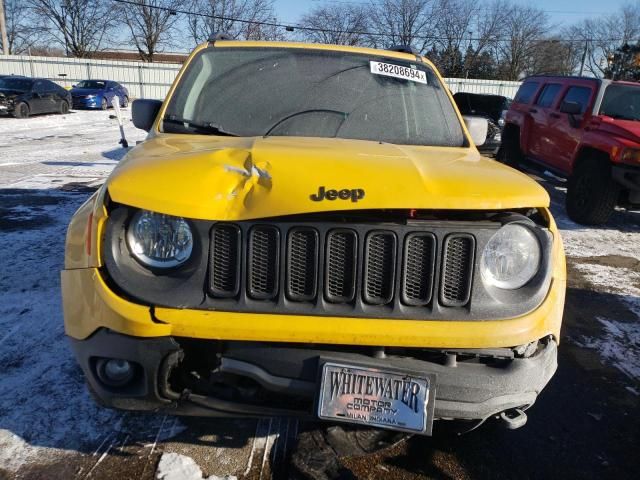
{"type": "Point", "coordinates": [585, 129]}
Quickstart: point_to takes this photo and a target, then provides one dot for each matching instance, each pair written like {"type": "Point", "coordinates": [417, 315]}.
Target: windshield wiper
{"type": "Point", "coordinates": [210, 128]}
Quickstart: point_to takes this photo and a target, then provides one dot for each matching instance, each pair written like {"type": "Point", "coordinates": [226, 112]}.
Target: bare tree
{"type": "Point", "coordinates": [21, 32]}
{"type": "Point", "coordinates": [402, 22]}
{"type": "Point", "coordinates": [338, 24]}
{"type": "Point", "coordinates": [553, 56]}
{"type": "Point", "coordinates": [78, 25]}
{"type": "Point", "coordinates": [600, 37]}
{"type": "Point", "coordinates": [223, 16]}
{"type": "Point", "coordinates": [151, 24]}
{"type": "Point", "coordinates": [453, 33]}
{"type": "Point", "coordinates": [524, 28]}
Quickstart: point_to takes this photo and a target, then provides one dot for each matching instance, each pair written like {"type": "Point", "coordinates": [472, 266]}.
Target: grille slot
{"type": "Point", "coordinates": [380, 267]}
{"type": "Point", "coordinates": [224, 261]}
{"type": "Point", "coordinates": [263, 260]}
{"type": "Point", "coordinates": [302, 264]}
{"type": "Point", "coordinates": [340, 264]}
{"type": "Point", "coordinates": [455, 288]}
{"type": "Point", "coordinates": [418, 267]}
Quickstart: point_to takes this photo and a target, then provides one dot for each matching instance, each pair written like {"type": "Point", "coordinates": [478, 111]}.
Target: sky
{"type": "Point", "coordinates": [565, 12]}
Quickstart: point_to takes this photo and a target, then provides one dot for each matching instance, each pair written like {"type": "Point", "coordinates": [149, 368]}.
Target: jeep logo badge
{"type": "Point", "coordinates": [354, 194]}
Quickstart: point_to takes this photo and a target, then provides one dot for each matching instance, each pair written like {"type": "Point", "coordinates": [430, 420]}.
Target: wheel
{"type": "Point", "coordinates": [103, 104]}
{"type": "Point", "coordinates": [592, 193]}
{"type": "Point", "coordinates": [125, 102]}
{"type": "Point", "coordinates": [21, 110]}
{"type": "Point", "coordinates": [64, 107]}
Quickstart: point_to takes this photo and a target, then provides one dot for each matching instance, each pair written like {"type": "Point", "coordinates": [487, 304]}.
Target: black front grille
{"type": "Point", "coordinates": [326, 269]}
{"type": "Point", "coordinates": [302, 267]}
{"type": "Point", "coordinates": [341, 264]}
{"type": "Point", "coordinates": [224, 261]}
{"type": "Point", "coordinates": [419, 263]}
{"type": "Point", "coordinates": [264, 252]}
{"type": "Point", "coordinates": [380, 267]}
{"type": "Point", "coordinates": [456, 270]}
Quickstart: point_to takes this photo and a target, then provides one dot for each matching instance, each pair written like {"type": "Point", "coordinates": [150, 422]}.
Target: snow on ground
{"type": "Point", "coordinates": [45, 409]}
{"type": "Point", "coordinates": [584, 241]}
{"type": "Point", "coordinates": [173, 466]}
{"type": "Point", "coordinates": [609, 259]}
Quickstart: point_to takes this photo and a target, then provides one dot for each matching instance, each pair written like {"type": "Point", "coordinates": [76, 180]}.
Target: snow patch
{"type": "Point", "coordinates": [620, 346]}
{"type": "Point", "coordinates": [174, 466]}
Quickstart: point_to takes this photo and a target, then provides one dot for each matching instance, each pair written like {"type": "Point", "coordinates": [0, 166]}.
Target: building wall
{"type": "Point", "coordinates": [152, 80]}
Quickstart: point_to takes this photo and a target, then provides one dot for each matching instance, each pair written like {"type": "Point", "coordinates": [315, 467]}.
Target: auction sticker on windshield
{"type": "Point", "coordinates": [378, 398]}
{"type": "Point", "coordinates": [398, 71]}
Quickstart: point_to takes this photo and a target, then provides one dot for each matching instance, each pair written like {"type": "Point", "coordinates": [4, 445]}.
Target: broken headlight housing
{"type": "Point", "coordinates": [159, 241]}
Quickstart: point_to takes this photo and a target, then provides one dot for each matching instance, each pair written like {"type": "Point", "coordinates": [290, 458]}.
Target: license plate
{"type": "Point", "coordinates": [377, 398]}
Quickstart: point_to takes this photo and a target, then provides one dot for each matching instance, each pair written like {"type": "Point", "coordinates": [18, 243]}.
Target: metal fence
{"type": "Point", "coordinates": [143, 80]}
{"type": "Point", "coordinates": [152, 80]}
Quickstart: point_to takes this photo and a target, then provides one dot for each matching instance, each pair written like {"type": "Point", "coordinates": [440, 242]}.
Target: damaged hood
{"type": "Point", "coordinates": [232, 178]}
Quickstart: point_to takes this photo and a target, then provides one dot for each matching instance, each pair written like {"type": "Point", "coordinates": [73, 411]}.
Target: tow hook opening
{"type": "Point", "coordinates": [513, 418]}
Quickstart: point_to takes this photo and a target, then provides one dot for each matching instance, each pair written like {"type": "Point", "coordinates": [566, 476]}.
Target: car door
{"type": "Point", "coordinates": [38, 101]}
{"type": "Point", "coordinates": [565, 136]}
{"type": "Point", "coordinates": [51, 101]}
{"type": "Point", "coordinates": [519, 112]}
{"type": "Point", "coordinates": [539, 132]}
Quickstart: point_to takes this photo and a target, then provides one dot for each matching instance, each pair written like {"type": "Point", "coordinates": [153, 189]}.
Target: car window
{"type": "Point", "coordinates": [579, 95]}
{"type": "Point", "coordinates": [298, 92]}
{"type": "Point", "coordinates": [94, 84]}
{"type": "Point", "coordinates": [621, 101]}
{"type": "Point", "coordinates": [526, 91]}
{"type": "Point", "coordinates": [50, 86]}
{"type": "Point", "coordinates": [548, 94]}
{"type": "Point", "coordinates": [39, 86]}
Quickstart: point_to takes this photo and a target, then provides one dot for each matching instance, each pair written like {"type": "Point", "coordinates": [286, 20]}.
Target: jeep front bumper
{"type": "Point", "coordinates": [257, 379]}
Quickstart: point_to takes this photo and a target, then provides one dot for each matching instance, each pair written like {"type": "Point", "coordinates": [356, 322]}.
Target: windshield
{"type": "Point", "coordinates": [312, 93]}
{"type": "Point", "coordinates": [621, 101]}
{"type": "Point", "coordinates": [94, 84]}
{"type": "Point", "coordinates": [17, 84]}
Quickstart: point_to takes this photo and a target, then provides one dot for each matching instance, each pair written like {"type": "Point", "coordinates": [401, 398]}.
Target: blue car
{"type": "Point", "coordinates": [98, 94]}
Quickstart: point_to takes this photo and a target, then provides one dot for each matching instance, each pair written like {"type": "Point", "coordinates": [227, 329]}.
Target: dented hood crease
{"type": "Point", "coordinates": [231, 178]}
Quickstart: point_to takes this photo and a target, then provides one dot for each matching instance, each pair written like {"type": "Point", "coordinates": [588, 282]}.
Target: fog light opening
{"type": "Point", "coordinates": [114, 372]}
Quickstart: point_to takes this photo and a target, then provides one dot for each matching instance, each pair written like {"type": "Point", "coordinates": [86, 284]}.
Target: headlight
{"type": "Point", "coordinates": [158, 240]}
{"type": "Point", "coordinates": [89, 97]}
{"type": "Point", "coordinates": [511, 257]}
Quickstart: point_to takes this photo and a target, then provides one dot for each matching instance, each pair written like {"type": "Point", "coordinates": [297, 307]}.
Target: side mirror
{"type": "Point", "coordinates": [144, 113]}
{"type": "Point", "coordinates": [73, 86]}
{"type": "Point", "coordinates": [571, 108]}
{"type": "Point", "coordinates": [478, 127]}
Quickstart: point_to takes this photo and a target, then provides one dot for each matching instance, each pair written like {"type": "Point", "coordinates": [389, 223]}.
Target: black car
{"type": "Point", "coordinates": [491, 107]}
{"type": "Point", "coordinates": [22, 96]}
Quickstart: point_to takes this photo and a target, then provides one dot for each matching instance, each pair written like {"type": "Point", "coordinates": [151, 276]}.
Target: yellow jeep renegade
{"type": "Point", "coordinates": [309, 230]}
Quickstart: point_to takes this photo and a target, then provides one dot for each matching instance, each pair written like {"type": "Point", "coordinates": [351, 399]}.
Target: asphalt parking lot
{"type": "Point", "coordinates": [586, 423]}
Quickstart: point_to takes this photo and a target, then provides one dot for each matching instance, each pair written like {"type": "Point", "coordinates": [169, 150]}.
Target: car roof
{"type": "Point", "coordinates": [561, 78]}
{"type": "Point", "coordinates": [314, 46]}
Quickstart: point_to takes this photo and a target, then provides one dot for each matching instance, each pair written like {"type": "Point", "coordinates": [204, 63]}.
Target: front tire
{"type": "Point", "coordinates": [125, 102]}
{"type": "Point", "coordinates": [103, 104]}
{"type": "Point", "coordinates": [592, 192]}
{"type": "Point", "coordinates": [64, 107]}
{"type": "Point", "coordinates": [21, 110]}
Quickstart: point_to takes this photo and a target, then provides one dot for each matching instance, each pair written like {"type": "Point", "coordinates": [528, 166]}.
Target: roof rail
{"type": "Point", "coordinates": [404, 49]}
{"type": "Point", "coordinates": [215, 36]}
